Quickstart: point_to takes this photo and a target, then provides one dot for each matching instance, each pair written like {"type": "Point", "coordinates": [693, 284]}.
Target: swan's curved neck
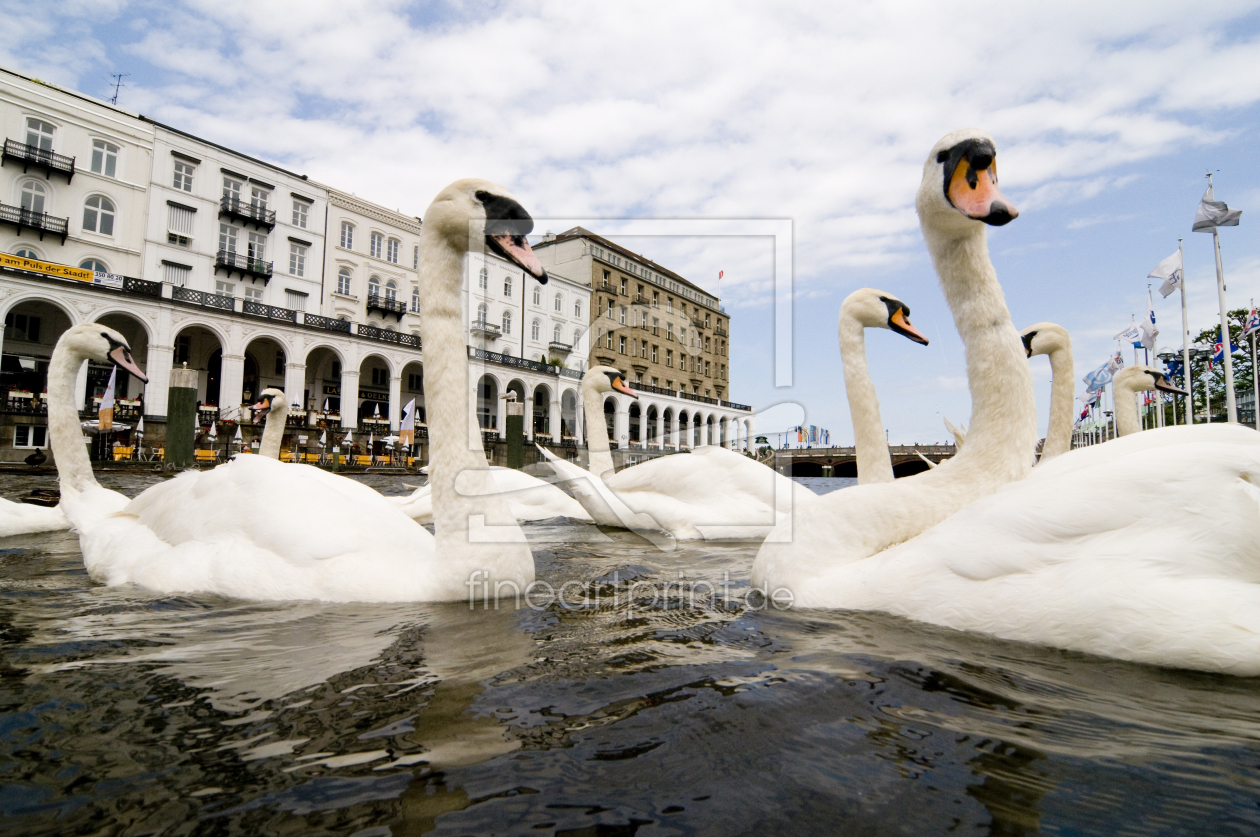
{"type": "Point", "coordinates": [273, 432]}
{"type": "Point", "coordinates": [1127, 421]}
{"type": "Point", "coordinates": [597, 448]}
{"type": "Point", "coordinates": [455, 448]}
{"type": "Point", "coordinates": [873, 462]}
{"type": "Point", "coordinates": [74, 468]}
{"type": "Point", "coordinates": [1003, 431]}
{"type": "Point", "coordinates": [1059, 430]}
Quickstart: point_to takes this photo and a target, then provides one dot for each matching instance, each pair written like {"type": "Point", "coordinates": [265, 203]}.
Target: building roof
{"type": "Point", "coordinates": [582, 232]}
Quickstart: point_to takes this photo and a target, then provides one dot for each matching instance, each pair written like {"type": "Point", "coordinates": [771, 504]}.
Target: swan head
{"type": "Point", "coordinates": [102, 344]}
{"type": "Point", "coordinates": [872, 308]}
{"type": "Point", "coordinates": [472, 213]}
{"type": "Point", "coordinates": [269, 400]}
{"type": "Point", "coordinates": [604, 379]}
{"type": "Point", "coordinates": [959, 190]}
{"type": "Point", "coordinates": [1045, 339]}
{"type": "Point", "coordinates": [1140, 377]}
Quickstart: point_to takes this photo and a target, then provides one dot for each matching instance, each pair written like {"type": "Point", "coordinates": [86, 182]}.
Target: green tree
{"type": "Point", "coordinates": [1215, 378]}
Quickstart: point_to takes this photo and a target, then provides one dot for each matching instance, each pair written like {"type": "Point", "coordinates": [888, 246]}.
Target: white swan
{"type": "Point", "coordinates": [869, 308]}
{"type": "Point", "coordinates": [259, 529]}
{"type": "Point", "coordinates": [711, 493]}
{"type": "Point", "coordinates": [1131, 380]}
{"type": "Point", "coordinates": [1054, 341]}
{"type": "Point", "coordinates": [528, 497]}
{"type": "Point", "coordinates": [273, 408]}
{"type": "Point", "coordinates": [957, 198]}
{"type": "Point", "coordinates": [28, 519]}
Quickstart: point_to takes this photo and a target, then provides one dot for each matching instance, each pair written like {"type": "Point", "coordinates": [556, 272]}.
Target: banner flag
{"type": "Point", "coordinates": [1171, 271]}
{"type": "Point", "coordinates": [1149, 330]}
{"type": "Point", "coordinates": [105, 417]}
{"type": "Point", "coordinates": [407, 428]}
{"type": "Point", "coordinates": [1212, 213]}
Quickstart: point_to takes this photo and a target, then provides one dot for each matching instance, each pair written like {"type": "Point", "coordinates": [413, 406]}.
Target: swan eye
{"type": "Point", "coordinates": [942, 156]}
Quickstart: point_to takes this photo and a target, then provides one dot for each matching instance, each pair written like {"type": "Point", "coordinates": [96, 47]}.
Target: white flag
{"type": "Point", "coordinates": [105, 415]}
{"type": "Point", "coordinates": [1132, 334]}
{"type": "Point", "coordinates": [1115, 364]}
{"type": "Point", "coordinates": [1213, 213]}
{"type": "Point", "coordinates": [1149, 329]}
{"type": "Point", "coordinates": [1171, 271]}
{"type": "Point", "coordinates": [407, 428]}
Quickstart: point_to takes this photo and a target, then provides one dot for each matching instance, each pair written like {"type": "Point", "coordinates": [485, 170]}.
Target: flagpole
{"type": "Point", "coordinates": [1231, 403]}
{"type": "Point", "coordinates": [1255, 391]}
{"type": "Point", "coordinates": [1185, 337]}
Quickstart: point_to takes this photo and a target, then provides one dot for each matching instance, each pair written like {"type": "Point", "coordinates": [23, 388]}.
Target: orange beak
{"type": "Point", "coordinates": [902, 326]}
{"type": "Point", "coordinates": [974, 193]}
{"type": "Point", "coordinates": [621, 386]}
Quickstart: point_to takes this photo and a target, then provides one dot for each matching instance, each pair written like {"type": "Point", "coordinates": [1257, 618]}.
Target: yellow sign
{"type": "Point", "coordinates": [63, 270]}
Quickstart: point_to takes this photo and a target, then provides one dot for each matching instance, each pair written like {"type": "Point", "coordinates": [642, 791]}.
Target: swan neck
{"type": "Point", "coordinates": [65, 434]}
{"type": "Point", "coordinates": [1003, 432]}
{"type": "Point", "coordinates": [1059, 430]}
{"type": "Point", "coordinates": [873, 461]}
{"type": "Point", "coordinates": [1126, 411]}
{"type": "Point", "coordinates": [597, 447]}
{"type": "Point", "coordinates": [273, 432]}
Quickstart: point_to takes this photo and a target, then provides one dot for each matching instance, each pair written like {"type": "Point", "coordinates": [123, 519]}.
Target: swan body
{"type": "Point", "coordinates": [957, 198]}
{"type": "Point", "coordinates": [711, 493]}
{"type": "Point", "coordinates": [255, 528]}
{"type": "Point", "coordinates": [27, 519]}
{"type": "Point", "coordinates": [1146, 549]}
{"type": "Point", "coordinates": [528, 497]}
{"type": "Point", "coordinates": [1054, 341]}
{"type": "Point", "coordinates": [869, 308]}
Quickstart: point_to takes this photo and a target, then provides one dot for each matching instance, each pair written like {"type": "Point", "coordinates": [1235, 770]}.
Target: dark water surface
{"type": "Point", "coordinates": [631, 712]}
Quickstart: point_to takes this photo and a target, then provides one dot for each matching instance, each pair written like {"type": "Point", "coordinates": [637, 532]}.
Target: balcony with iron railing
{"type": "Point", "coordinates": [41, 158]}
{"type": "Point", "coordinates": [41, 222]}
{"type": "Point", "coordinates": [326, 323]}
{"type": "Point", "coordinates": [242, 263]}
{"type": "Point", "coordinates": [206, 300]}
{"type": "Point", "coordinates": [250, 213]}
{"type": "Point", "coordinates": [386, 305]}
{"type": "Point", "coordinates": [556, 347]}
{"type": "Point", "coordinates": [485, 329]}
{"type": "Point", "coordinates": [270, 312]}
{"type": "Point", "coordinates": [721, 332]}
{"type": "Point", "coordinates": [385, 335]}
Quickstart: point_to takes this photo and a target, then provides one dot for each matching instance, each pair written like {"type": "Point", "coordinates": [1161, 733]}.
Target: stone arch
{"type": "Point", "coordinates": [266, 360]}
{"type": "Point", "coordinates": [542, 399]}
{"type": "Point", "coordinates": [412, 386]}
{"type": "Point", "coordinates": [33, 325]}
{"type": "Point", "coordinates": [909, 468]}
{"type": "Point", "coordinates": [806, 468]}
{"type": "Point", "coordinates": [201, 347]}
{"type": "Point", "coordinates": [635, 422]}
{"type": "Point", "coordinates": [610, 417]}
{"type": "Point", "coordinates": [683, 438]}
{"type": "Point", "coordinates": [668, 416]}
{"type": "Point", "coordinates": [375, 370]}
{"type": "Point", "coordinates": [488, 402]}
{"type": "Point", "coordinates": [324, 363]}
{"type": "Point", "coordinates": [651, 416]}
{"type": "Point", "coordinates": [569, 406]}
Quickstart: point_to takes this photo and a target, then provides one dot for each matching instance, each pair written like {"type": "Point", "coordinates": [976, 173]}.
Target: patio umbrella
{"type": "Point", "coordinates": [238, 438]}
{"type": "Point", "coordinates": [93, 426]}
{"type": "Point", "coordinates": [376, 410]}
{"type": "Point", "coordinates": [348, 440]}
{"type": "Point", "coordinates": [323, 439]}
{"type": "Point", "coordinates": [140, 427]}
{"type": "Point", "coordinates": [214, 433]}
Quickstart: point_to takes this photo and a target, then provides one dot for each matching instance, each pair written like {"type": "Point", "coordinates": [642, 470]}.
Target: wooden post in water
{"type": "Point", "coordinates": [515, 432]}
{"type": "Point", "coordinates": [181, 417]}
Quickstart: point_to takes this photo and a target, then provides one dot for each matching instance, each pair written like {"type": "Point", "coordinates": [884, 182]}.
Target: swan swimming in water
{"type": "Point", "coordinates": [257, 528]}
{"type": "Point", "coordinates": [957, 199]}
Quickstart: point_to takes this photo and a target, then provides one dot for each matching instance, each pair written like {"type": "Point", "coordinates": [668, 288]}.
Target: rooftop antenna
{"type": "Point", "coordinates": [118, 85]}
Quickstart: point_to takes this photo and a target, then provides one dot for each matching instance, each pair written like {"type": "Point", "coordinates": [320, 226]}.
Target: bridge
{"type": "Point", "coordinates": [842, 462]}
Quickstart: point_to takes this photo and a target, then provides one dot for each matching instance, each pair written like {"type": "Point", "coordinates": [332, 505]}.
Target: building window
{"type": "Point", "coordinates": [231, 189]}
{"type": "Point", "coordinates": [723, 371]}
{"type": "Point", "coordinates": [30, 436]}
{"type": "Point", "coordinates": [21, 327]}
{"type": "Point", "coordinates": [300, 212]}
{"type": "Point", "coordinates": [253, 294]}
{"type": "Point", "coordinates": [415, 300]}
{"type": "Point", "coordinates": [706, 369]}
{"type": "Point", "coordinates": [175, 274]}
{"type": "Point", "coordinates": [279, 367]}
{"type": "Point", "coordinates": [669, 305]}
{"type": "Point", "coordinates": [295, 300]}
{"type": "Point", "coordinates": [415, 257]}
{"type": "Point", "coordinates": [391, 291]}
{"type": "Point", "coordinates": [39, 134]}
{"type": "Point", "coordinates": [415, 381]}
{"type": "Point", "coordinates": [669, 331]}
{"type": "Point", "coordinates": [624, 292]}
{"type": "Point", "coordinates": [621, 344]}
{"type": "Point", "coordinates": [537, 295]}
{"type": "Point", "coordinates": [26, 253]}
{"type": "Point", "coordinates": [483, 279]}
{"type": "Point", "coordinates": [682, 335]}
{"type": "Point", "coordinates": [535, 329]}
{"type": "Point", "coordinates": [623, 315]}
{"type": "Point", "coordinates": [257, 247]}
{"type": "Point", "coordinates": [656, 299]}
{"type": "Point", "coordinates": [179, 225]}
{"type": "Point", "coordinates": [577, 309]}
{"type": "Point", "coordinates": [374, 287]}
{"type": "Point", "coordinates": [104, 158]}
{"type": "Point", "coordinates": [343, 281]}
{"type": "Point", "coordinates": [555, 334]}
{"type": "Point", "coordinates": [669, 357]}
{"type": "Point", "coordinates": [507, 322]}
{"type": "Point", "coordinates": [347, 235]}
{"type": "Point", "coordinates": [558, 304]}
{"type": "Point", "coordinates": [33, 193]}
{"type": "Point", "coordinates": [183, 180]}
{"type": "Point", "coordinates": [706, 343]}
{"type": "Point", "coordinates": [610, 308]}
{"type": "Point", "coordinates": [507, 286]}
{"type": "Point", "coordinates": [656, 326]}
{"type": "Point", "coordinates": [297, 259]}
{"type": "Point", "coordinates": [376, 244]}
{"type": "Point", "coordinates": [94, 266]}
{"type": "Point", "coordinates": [391, 250]}
{"type": "Point", "coordinates": [98, 215]}
{"type": "Point", "coordinates": [577, 335]}
{"type": "Point", "coordinates": [380, 377]}
{"type": "Point", "coordinates": [224, 288]}
{"type": "Point", "coordinates": [654, 350]}
{"type": "Point", "coordinates": [483, 313]}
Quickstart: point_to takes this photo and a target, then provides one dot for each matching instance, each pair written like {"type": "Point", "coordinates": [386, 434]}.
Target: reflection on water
{"type": "Point", "coordinates": [622, 711]}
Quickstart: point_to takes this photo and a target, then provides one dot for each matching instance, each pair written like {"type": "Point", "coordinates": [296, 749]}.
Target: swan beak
{"type": "Point", "coordinates": [121, 356]}
{"type": "Point", "coordinates": [621, 386]}
{"type": "Point", "coordinates": [516, 249]}
{"type": "Point", "coordinates": [898, 323]}
{"type": "Point", "coordinates": [1164, 386]}
{"type": "Point", "coordinates": [972, 185]}
{"type": "Point", "coordinates": [1028, 341]}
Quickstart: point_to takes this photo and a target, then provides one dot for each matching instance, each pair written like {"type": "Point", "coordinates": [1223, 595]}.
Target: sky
{"type": "Point", "coordinates": [1106, 118]}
